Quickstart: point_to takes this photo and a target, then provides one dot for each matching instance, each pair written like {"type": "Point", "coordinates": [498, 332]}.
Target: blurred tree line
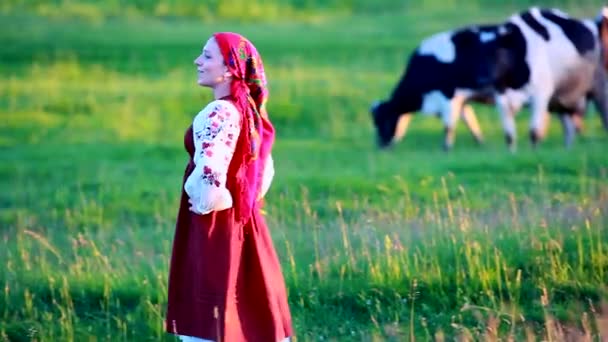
{"type": "Point", "coordinates": [256, 10]}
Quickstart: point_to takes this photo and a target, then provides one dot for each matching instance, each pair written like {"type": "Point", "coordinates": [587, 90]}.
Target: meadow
{"type": "Point", "coordinates": [407, 244]}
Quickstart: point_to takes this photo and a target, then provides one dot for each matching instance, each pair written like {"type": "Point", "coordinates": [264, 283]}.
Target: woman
{"type": "Point", "coordinates": [225, 280]}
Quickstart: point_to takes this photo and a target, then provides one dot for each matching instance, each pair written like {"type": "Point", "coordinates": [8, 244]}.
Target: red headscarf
{"type": "Point", "coordinates": [249, 93]}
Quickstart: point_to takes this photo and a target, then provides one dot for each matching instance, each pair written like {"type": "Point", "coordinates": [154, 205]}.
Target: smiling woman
{"type": "Point", "coordinates": [212, 72]}
{"type": "Point", "coordinates": [225, 279]}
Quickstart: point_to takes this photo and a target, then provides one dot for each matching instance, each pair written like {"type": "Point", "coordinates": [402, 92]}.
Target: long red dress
{"type": "Point", "coordinates": [225, 279]}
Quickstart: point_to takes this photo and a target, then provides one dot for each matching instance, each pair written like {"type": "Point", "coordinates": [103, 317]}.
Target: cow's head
{"type": "Point", "coordinates": [390, 124]}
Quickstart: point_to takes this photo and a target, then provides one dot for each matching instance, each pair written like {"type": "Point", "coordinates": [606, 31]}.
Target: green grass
{"type": "Point", "coordinates": [374, 245]}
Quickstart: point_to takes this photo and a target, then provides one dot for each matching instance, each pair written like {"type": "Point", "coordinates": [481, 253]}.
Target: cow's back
{"type": "Point", "coordinates": [561, 52]}
{"type": "Point", "coordinates": [451, 60]}
{"type": "Point", "coordinates": [558, 46]}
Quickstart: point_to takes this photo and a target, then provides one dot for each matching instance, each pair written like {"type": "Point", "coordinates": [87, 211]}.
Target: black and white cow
{"type": "Point", "coordinates": [445, 71]}
{"type": "Point", "coordinates": [539, 57]}
{"type": "Point", "coordinates": [553, 63]}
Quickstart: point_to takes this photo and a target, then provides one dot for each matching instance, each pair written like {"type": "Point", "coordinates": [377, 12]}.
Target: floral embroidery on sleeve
{"type": "Point", "coordinates": [210, 177]}
{"type": "Point", "coordinates": [215, 130]}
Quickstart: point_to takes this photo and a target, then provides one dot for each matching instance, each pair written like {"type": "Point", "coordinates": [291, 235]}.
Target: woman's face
{"type": "Point", "coordinates": [210, 65]}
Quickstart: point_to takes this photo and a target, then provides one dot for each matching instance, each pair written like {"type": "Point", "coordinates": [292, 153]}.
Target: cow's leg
{"type": "Point", "coordinates": [540, 117]}
{"type": "Point", "coordinates": [449, 115]}
{"type": "Point", "coordinates": [470, 119]}
{"type": "Point", "coordinates": [578, 114]}
{"type": "Point", "coordinates": [508, 121]}
{"type": "Point", "coordinates": [546, 123]}
{"type": "Point", "coordinates": [599, 94]}
{"type": "Point", "coordinates": [577, 120]}
{"type": "Point", "coordinates": [569, 128]}
{"type": "Point", "coordinates": [601, 104]}
{"type": "Point", "coordinates": [402, 125]}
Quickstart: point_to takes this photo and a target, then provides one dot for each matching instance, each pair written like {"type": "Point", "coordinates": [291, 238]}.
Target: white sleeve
{"type": "Point", "coordinates": [215, 132]}
{"type": "Point", "coordinates": [267, 177]}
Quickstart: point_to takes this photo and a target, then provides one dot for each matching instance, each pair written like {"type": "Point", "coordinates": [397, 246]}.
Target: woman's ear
{"type": "Point", "coordinates": [227, 73]}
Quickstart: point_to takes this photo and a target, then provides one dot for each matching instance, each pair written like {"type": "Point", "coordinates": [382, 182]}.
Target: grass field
{"type": "Point", "coordinates": [407, 243]}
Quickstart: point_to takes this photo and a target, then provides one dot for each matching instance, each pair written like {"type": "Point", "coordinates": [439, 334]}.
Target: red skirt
{"type": "Point", "coordinates": [225, 280]}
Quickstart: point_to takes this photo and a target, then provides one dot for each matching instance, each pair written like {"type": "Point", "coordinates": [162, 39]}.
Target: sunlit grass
{"type": "Point", "coordinates": [445, 267]}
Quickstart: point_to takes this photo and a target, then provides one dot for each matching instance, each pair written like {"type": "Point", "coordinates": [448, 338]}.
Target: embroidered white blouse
{"type": "Point", "coordinates": [215, 131]}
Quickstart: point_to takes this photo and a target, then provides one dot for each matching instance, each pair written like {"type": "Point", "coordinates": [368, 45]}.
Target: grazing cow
{"type": "Point", "coordinates": [445, 71]}
{"type": "Point", "coordinates": [554, 63]}
{"type": "Point", "coordinates": [539, 57]}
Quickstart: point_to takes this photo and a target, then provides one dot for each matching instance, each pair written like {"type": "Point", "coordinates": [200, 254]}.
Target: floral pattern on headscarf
{"type": "Point", "coordinates": [249, 93]}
